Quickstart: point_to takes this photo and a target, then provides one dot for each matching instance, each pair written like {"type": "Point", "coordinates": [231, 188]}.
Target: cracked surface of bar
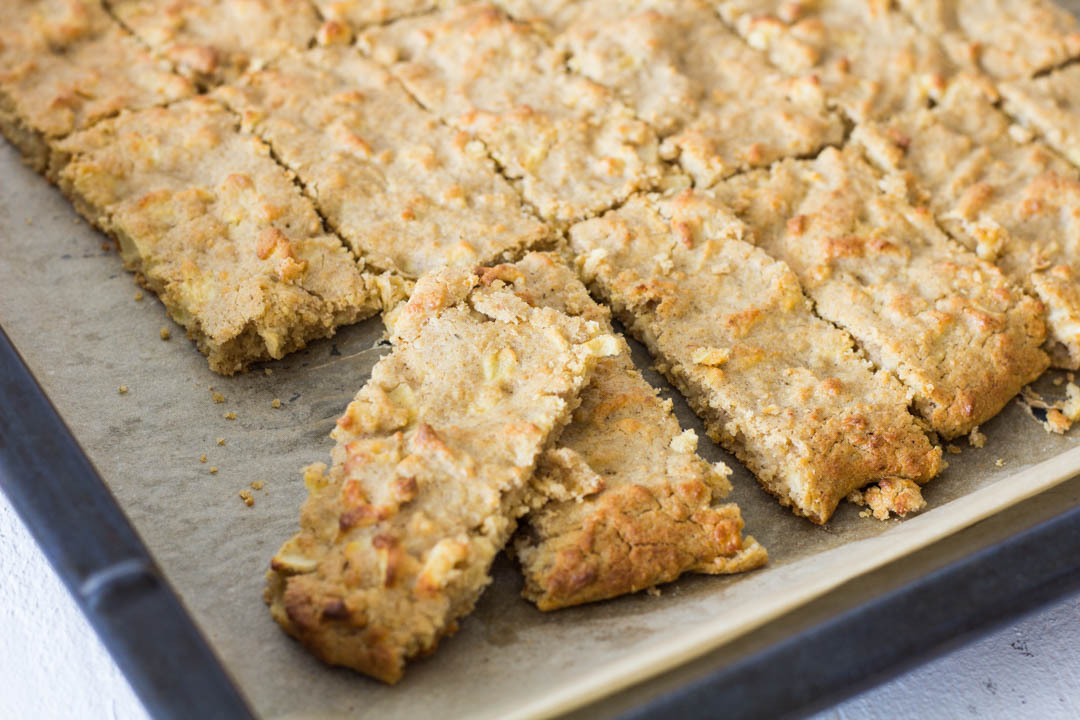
{"type": "Point", "coordinates": [717, 102]}
{"type": "Point", "coordinates": [1050, 106]}
{"type": "Point", "coordinates": [65, 64]}
{"type": "Point", "coordinates": [632, 504]}
{"type": "Point", "coordinates": [869, 58]}
{"type": "Point", "coordinates": [217, 40]}
{"type": "Point", "coordinates": [1004, 38]}
{"type": "Point", "coordinates": [408, 193]}
{"type": "Point", "coordinates": [430, 472]}
{"type": "Point", "coordinates": [217, 229]}
{"type": "Point", "coordinates": [1005, 195]}
{"type": "Point", "coordinates": [357, 14]}
{"type": "Point", "coordinates": [568, 142]}
{"type": "Point", "coordinates": [948, 324]}
{"type": "Point", "coordinates": [780, 388]}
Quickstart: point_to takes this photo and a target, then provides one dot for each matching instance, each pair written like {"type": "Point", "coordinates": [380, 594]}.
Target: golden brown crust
{"type": "Point", "coordinates": [632, 504]}
{"type": "Point", "coordinates": [408, 193]}
{"type": "Point", "coordinates": [430, 472]}
{"type": "Point", "coordinates": [777, 386]}
{"type": "Point", "coordinates": [64, 65]}
{"type": "Point", "coordinates": [947, 324]}
{"type": "Point", "coordinates": [1002, 193]}
{"type": "Point", "coordinates": [870, 59]}
{"type": "Point", "coordinates": [217, 40]}
{"type": "Point", "coordinates": [217, 229]}
{"type": "Point", "coordinates": [568, 142]}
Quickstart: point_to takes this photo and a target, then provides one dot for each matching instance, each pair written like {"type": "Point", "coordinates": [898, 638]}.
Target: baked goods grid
{"type": "Point", "coordinates": [167, 508]}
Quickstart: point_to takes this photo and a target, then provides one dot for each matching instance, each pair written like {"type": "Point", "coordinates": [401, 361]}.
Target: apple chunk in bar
{"type": "Point", "coordinates": [780, 388]}
{"type": "Point", "coordinates": [218, 230]}
{"type": "Point", "coordinates": [430, 472]}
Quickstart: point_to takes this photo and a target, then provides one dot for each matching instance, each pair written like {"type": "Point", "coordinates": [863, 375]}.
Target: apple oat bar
{"type": "Point", "coordinates": [407, 192]}
{"type": "Point", "coordinates": [430, 472]}
{"type": "Point", "coordinates": [64, 65]}
{"type": "Point", "coordinates": [949, 325]}
{"type": "Point", "coordinates": [217, 229]}
{"type": "Point", "coordinates": [869, 58]}
{"type": "Point", "coordinates": [780, 388]}
{"type": "Point", "coordinates": [216, 40]}
{"type": "Point", "coordinates": [1005, 195]}
{"type": "Point", "coordinates": [1004, 38]}
{"type": "Point", "coordinates": [1049, 105]}
{"type": "Point", "coordinates": [632, 504]}
{"type": "Point", "coordinates": [716, 102]}
{"type": "Point", "coordinates": [573, 148]}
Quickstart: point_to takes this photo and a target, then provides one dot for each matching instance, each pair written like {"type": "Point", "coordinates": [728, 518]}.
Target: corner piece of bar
{"type": "Point", "coordinates": [780, 388]}
{"type": "Point", "coordinates": [430, 472]}
{"type": "Point", "coordinates": [64, 65]}
{"type": "Point", "coordinates": [948, 324]}
{"type": "Point", "coordinates": [217, 229]}
{"type": "Point", "coordinates": [632, 505]}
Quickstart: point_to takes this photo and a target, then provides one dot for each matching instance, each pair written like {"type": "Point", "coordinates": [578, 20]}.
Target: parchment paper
{"type": "Point", "coordinates": [68, 306]}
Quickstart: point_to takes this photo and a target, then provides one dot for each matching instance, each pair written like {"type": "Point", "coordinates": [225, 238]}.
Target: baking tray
{"type": "Point", "coordinates": [70, 310]}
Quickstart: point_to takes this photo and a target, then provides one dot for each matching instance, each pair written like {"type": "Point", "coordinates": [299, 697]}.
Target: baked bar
{"type": "Point", "coordinates": [408, 193]}
{"type": "Point", "coordinates": [64, 64]}
{"type": "Point", "coordinates": [430, 472]}
{"type": "Point", "coordinates": [632, 504]}
{"type": "Point", "coordinates": [217, 40]}
{"type": "Point", "coordinates": [870, 59]}
{"type": "Point", "coordinates": [718, 104]}
{"type": "Point", "coordinates": [1006, 196]}
{"type": "Point", "coordinates": [217, 229]}
{"type": "Point", "coordinates": [948, 324]}
{"type": "Point", "coordinates": [570, 144]}
{"type": "Point", "coordinates": [780, 388]}
{"type": "Point", "coordinates": [1005, 38]}
{"type": "Point", "coordinates": [1050, 106]}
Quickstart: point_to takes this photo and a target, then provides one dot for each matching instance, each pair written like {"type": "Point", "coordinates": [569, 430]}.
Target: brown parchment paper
{"type": "Point", "coordinates": [70, 309]}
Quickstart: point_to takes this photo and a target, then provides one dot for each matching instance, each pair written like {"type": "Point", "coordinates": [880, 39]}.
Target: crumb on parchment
{"type": "Point", "coordinates": [138, 296]}
{"type": "Point", "coordinates": [165, 333]}
{"type": "Point", "coordinates": [953, 449]}
{"type": "Point", "coordinates": [202, 458]}
{"type": "Point", "coordinates": [247, 497]}
{"type": "Point", "coordinates": [268, 371]}
{"type": "Point", "coordinates": [122, 389]}
{"type": "Point", "coordinates": [217, 397]}
{"type": "Point", "coordinates": [256, 484]}
{"type": "Point", "coordinates": [653, 591]}
{"type": "Point", "coordinates": [275, 403]}
{"type": "Point", "coordinates": [229, 416]}
{"type": "Point", "coordinates": [976, 439]}
{"type": "Point", "coordinates": [1000, 462]}
{"type": "Point", "coordinates": [898, 496]}
{"type": "Point", "coordinates": [221, 441]}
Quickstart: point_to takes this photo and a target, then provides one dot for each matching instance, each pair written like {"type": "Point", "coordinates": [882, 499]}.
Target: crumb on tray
{"type": "Point", "coordinates": [122, 389]}
{"type": "Point", "coordinates": [247, 497]}
{"type": "Point", "coordinates": [976, 438]}
{"type": "Point", "coordinates": [230, 416]}
{"type": "Point", "coordinates": [138, 296]}
{"type": "Point", "coordinates": [256, 484]}
{"type": "Point", "coordinates": [275, 403]}
{"type": "Point", "coordinates": [221, 441]}
{"type": "Point", "coordinates": [165, 333]}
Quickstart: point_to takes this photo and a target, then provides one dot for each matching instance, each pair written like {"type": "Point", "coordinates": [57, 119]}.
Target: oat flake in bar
{"type": "Point", "coordinates": [430, 472]}
{"type": "Point", "coordinates": [780, 388]}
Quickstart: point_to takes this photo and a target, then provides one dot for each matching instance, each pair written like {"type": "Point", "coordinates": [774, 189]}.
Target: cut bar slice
{"type": "Point", "coordinates": [650, 510]}
{"type": "Point", "coordinates": [1005, 195]}
{"type": "Point", "coordinates": [948, 324]}
{"type": "Point", "coordinates": [574, 148]}
{"type": "Point", "coordinates": [216, 40]}
{"type": "Point", "coordinates": [719, 104]}
{"type": "Point", "coordinates": [65, 64]}
{"type": "Point", "coordinates": [870, 59]}
{"type": "Point", "coordinates": [408, 193]}
{"type": "Point", "coordinates": [430, 472]}
{"type": "Point", "coordinates": [1049, 105]}
{"type": "Point", "coordinates": [1005, 38]}
{"type": "Point", "coordinates": [782, 389]}
{"type": "Point", "coordinates": [217, 229]}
